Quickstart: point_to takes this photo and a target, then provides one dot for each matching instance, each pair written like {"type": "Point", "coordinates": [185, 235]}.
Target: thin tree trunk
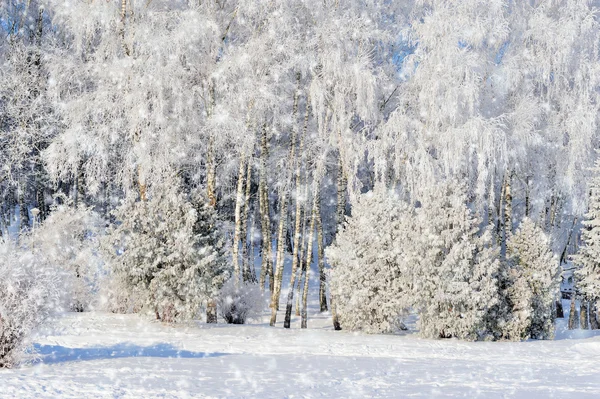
{"type": "Point", "coordinates": [238, 219]}
{"type": "Point", "coordinates": [565, 251]}
{"type": "Point", "coordinates": [527, 198]}
{"type": "Point", "coordinates": [122, 27]}
{"type": "Point", "coordinates": [81, 186]}
{"type": "Point", "coordinates": [281, 231]}
{"type": "Point", "coordinates": [300, 204]}
{"type": "Point", "coordinates": [211, 168]}
{"type": "Point", "coordinates": [248, 272]}
{"type": "Point", "coordinates": [321, 254]}
{"type": "Point", "coordinates": [594, 315]}
{"type": "Point", "coordinates": [342, 186]}
{"type": "Point", "coordinates": [573, 319]}
{"type": "Point", "coordinates": [583, 315]}
{"type": "Point", "coordinates": [23, 211]}
{"type": "Point", "coordinates": [508, 206]}
{"type": "Point", "coordinates": [560, 314]}
{"type": "Point", "coordinates": [304, 311]}
{"type": "Point", "coordinates": [265, 219]}
{"type": "Point", "coordinates": [491, 200]}
{"type": "Point", "coordinates": [499, 207]}
{"type": "Point", "coordinates": [303, 254]}
{"type": "Point", "coordinates": [341, 207]}
{"type": "Point", "coordinates": [301, 274]}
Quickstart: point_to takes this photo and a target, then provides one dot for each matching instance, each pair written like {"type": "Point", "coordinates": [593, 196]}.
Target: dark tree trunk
{"type": "Point", "coordinates": [594, 315]}
{"type": "Point", "coordinates": [560, 314]}
{"type": "Point", "coordinates": [573, 319]}
{"type": "Point", "coordinates": [583, 315]}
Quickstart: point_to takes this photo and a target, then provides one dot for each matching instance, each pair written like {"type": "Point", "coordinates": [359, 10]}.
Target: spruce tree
{"type": "Point", "coordinates": [370, 277]}
{"type": "Point", "coordinates": [455, 283]}
{"type": "Point", "coordinates": [587, 275]}
{"type": "Point", "coordinates": [535, 282]}
{"type": "Point", "coordinates": [167, 253]}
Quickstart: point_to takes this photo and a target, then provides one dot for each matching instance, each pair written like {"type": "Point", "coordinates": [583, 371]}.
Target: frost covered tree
{"type": "Point", "coordinates": [370, 276]}
{"type": "Point", "coordinates": [167, 253]}
{"type": "Point", "coordinates": [455, 283]}
{"type": "Point", "coordinates": [533, 284]}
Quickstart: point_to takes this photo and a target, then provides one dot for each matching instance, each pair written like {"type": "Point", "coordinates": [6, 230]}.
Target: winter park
{"type": "Point", "coordinates": [299, 199]}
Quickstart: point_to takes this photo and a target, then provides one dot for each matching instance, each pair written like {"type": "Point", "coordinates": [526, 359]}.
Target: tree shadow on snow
{"type": "Point", "coordinates": [51, 354]}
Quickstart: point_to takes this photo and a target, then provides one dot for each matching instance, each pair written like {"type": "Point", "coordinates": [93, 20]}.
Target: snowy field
{"type": "Point", "coordinates": [100, 355]}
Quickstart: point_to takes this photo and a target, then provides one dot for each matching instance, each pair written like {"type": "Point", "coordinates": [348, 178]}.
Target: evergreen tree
{"type": "Point", "coordinates": [587, 276]}
{"type": "Point", "coordinates": [168, 253]}
{"type": "Point", "coordinates": [455, 282]}
{"type": "Point", "coordinates": [369, 277]}
{"type": "Point", "coordinates": [534, 283]}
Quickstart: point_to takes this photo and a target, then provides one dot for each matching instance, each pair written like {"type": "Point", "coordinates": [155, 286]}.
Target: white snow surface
{"type": "Point", "coordinates": [103, 355]}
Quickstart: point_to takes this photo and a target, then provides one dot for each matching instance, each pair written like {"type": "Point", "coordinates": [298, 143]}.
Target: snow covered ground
{"type": "Point", "coordinates": [100, 355]}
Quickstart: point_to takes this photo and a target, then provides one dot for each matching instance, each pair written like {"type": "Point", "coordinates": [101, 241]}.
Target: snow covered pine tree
{"type": "Point", "coordinates": [168, 254]}
{"type": "Point", "coordinates": [587, 276]}
{"type": "Point", "coordinates": [535, 282]}
{"type": "Point", "coordinates": [369, 275]}
{"type": "Point", "coordinates": [455, 284]}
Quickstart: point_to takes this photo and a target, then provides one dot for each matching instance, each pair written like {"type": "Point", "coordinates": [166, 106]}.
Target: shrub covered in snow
{"type": "Point", "coordinates": [166, 255]}
{"type": "Point", "coordinates": [68, 240]}
{"type": "Point", "coordinates": [238, 304]}
{"type": "Point", "coordinates": [29, 293]}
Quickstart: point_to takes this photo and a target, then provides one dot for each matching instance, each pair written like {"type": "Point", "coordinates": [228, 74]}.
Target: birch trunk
{"type": "Point", "coordinates": [527, 198]}
{"type": "Point", "coordinates": [247, 265]}
{"type": "Point", "coordinates": [281, 231]}
{"type": "Point", "coordinates": [297, 223]}
{"type": "Point", "coordinates": [508, 206]}
{"type": "Point", "coordinates": [341, 194]}
{"type": "Point", "coordinates": [238, 220]}
{"type": "Point", "coordinates": [211, 168]}
{"type": "Point", "coordinates": [301, 273]}
{"type": "Point", "coordinates": [321, 255]}
{"type": "Point", "coordinates": [211, 187]}
{"type": "Point", "coordinates": [302, 256]}
{"type": "Point", "coordinates": [122, 28]}
{"type": "Point", "coordinates": [304, 311]}
{"type": "Point", "coordinates": [499, 206]}
{"type": "Point", "coordinates": [265, 219]}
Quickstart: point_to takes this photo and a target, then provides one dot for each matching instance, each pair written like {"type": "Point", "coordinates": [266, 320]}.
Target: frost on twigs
{"type": "Point", "coordinates": [238, 304]}
{"type": "Point", "coordinates": [29, 293]}
{"type": "Point", "coordinates": [68, 240]}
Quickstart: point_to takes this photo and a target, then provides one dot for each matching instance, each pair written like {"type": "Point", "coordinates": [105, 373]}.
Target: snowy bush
{"type": "Point", "coordinates": [166, 254]}
{"type": "Point", "coordinates": [68, 240]}
{"type": "Point", "coordinates": [369, 276]}
{"type": "Point", "coordinates": [534, 285]}
{"type": "Point", "coordinates": [29, 293]}
{"type": "Point", "coordinates": [238, 304]}
{"type": "Point", "coordinates": [455, 282]}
